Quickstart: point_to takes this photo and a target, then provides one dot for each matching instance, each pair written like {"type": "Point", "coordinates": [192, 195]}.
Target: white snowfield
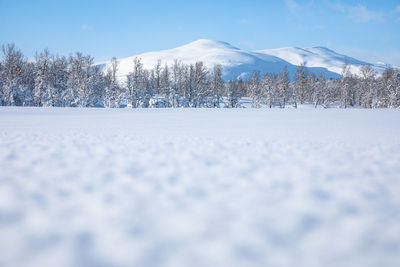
{"type": "Point", "coordinates": [199, 187]}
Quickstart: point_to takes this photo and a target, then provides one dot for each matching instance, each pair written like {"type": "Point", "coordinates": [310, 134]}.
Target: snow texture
{"type": "Point", "coordinates": [199, 187]}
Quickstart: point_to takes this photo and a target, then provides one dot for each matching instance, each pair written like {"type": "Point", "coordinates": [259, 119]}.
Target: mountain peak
{"type": "Point", "coordinates": [207, 43]}
{"type": "Point", "coordinates": [321, 48]}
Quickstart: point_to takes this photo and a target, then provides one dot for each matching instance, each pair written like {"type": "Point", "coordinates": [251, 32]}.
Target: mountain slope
{"type": "Point", "coordinates": [240, 63]}
{"type": "Point", "coordinates": [319, 57]}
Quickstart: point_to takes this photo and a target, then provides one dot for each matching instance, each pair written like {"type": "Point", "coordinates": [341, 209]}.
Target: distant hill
{"type": "Point", "coordinates": [237, 62]}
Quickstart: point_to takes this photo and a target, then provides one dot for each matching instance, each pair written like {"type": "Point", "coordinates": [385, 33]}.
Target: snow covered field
{"type": "Point", "coordinates": [207, 187]}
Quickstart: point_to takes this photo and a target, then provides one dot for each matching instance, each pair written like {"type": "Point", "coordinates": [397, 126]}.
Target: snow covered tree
{"type": "Point", "coordinates": [283, 84]}
{"type": "Point", "coordinates": [14, 67]}
{"type": "Point", "coordinates": [200, 84]}
{"type": "Point", "coordinates": [391, 87]}
{"type": "Point", "coordinates": [195, 88]}
{"type": "Point", "coordinates": [97, 84]}
{"type": "Point", "coordinates": [156, 77]}
{"type": "Point", "coordinates": [178, 81]}
{"type": "Point", "coordinates": [147, 89]}
{"type": "Point", "coordinates": [43, 91]}
{"type": "Point", "coordinates": [314, 90]}
{"type": "Point", "coordinates": [135, 83]}
{"type": "Point", "coordinates": [165, 84]}
{"type": "Point", "coordinates": [59, 79]}
{"type": "Point", "coordinates": [234, 91]}
{"type": "Point", "coordinates": [344, 85]}
{"type": "Point", "coordinates": [346, 82]}
{"type": "Point", "coordinates": [75, 81]}
{"type": "Point", "coordinates": [321, 94]}
{"type": "Point", "coordinates": [112, 89]}
{"type": "Point", "coordinates": [256, 92]}
{"type": "Point", "coordinates": [216, 86]}
{"type": "Point", "coordinates": [300, 85]}
{"type": "Point", "coordinates": [367, 91]}
{"type": "Point", "coordinates": [2, 81]}
{"type": "Point", "coordinates": [268, 86]}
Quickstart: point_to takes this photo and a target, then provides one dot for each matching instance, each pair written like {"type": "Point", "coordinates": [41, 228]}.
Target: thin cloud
{"type": "Point", "coordinates": [247, 43]}
{"type": "Point", "coordinates": [292, 5]}
{"type": "Point", "coordinates": [396, 12]}
{"type": "Point", "coordinates": [360, 13]}
{"type": "Point", "coordinates": [243, 21]}
{"type": "Point", "coordinates": [86, 27]}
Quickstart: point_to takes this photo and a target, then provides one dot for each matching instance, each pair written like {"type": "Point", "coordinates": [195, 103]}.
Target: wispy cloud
{"type": "Point", "coordinates": [396, 13]}
{"type": "Point", "coordinates": [86, 27]}
{"type": "Point", "coordinates": [360, 13]}
{"type": "Point", "coordinates": [243, 21]}
{"type": "Point", "coordinates": [292, 5]}
{"type": "Point", "coordinates": [247, 44]}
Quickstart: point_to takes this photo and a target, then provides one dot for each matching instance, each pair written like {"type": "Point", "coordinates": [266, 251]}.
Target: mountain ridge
{"type": "Point", "coordinates": [240, 63]}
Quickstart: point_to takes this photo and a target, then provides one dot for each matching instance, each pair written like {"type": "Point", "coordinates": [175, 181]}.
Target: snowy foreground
{"type": "Point", "coordinates": [187, 187]}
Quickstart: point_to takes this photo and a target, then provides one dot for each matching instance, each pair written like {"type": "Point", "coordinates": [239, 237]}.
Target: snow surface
{"type": "Point", "coordinates": [199, 187]}
{"type": "Point", "coordinates": [238, 62]}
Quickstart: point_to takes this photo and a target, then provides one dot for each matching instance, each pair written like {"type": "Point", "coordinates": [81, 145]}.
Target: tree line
{"type": "Point", "coordinates": [75, 81]}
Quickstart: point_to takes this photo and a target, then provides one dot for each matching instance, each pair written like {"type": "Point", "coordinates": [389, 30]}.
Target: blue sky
{"type": "Point", "coordinates": [368, 30]}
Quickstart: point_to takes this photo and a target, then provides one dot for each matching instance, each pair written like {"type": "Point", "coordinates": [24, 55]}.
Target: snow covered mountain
{"type": "Point", "coordinates": [319, 57]}
{"type": "Point", "coordinates": [237, 62]}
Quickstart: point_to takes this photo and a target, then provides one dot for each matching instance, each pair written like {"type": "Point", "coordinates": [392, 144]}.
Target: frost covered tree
{"type": "Point", "coordinates": [196, 84]}
{"type": "Point", "coordinates": [156, 77]}
{"type": "Point", "coordinates": [75, 91]}
{"type": "Point", "coordinates": [346, 80]}
{"type": "Point", "coordinates": [200, 84]}
{"type": "Point", "coordinates": [216, 86]}
{"type": "Point", "coordinates": [391, 87]}
{"type": "Point", "coordinates": [367, 89]}
{"type": "Point", "coordinates": [300, 85]}
{"type": "Point", "coordinates": [59, 79]}
{"type": "Point", "coordinates": [283, 84]}
{"type": "Point", "coordinates": [269, 87]}
{"type": "Point", "coordinates": [43, 92]}
{"type": "Point", "coordinates": [234, 91]}
{"type": "Point", "coordinates": [178, 82]}
{"type": "Point", "coordinates": [166, 88]}
{"type": "Point", "coordinates": [313, 93]}
{"type": "Point", "coordinates": [2, 80]}
{"type": "Point", "coordinates": [135, 83]}
{"type": "Point", "coordinates": [147, 89]}
{"type": "Point", "coordinates": [15, 79]}
{"type": "Point", "coordinates": [112, 89]}
{"type": "Point", "coordinates": [255, 90]}
{"type": "Point", "coordinates": [320, 92]}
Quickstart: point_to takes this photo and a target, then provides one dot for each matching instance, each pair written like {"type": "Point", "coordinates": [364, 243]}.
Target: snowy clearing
{"type": "Point", "coordinates": [199, 187]}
